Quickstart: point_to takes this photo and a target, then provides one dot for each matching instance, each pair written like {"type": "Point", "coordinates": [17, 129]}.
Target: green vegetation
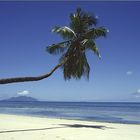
{"type": "Point", "coordinates": [79, 37]}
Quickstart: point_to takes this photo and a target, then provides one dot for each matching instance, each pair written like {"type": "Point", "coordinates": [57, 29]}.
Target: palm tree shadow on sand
{"type": "Point", "coordinates": [61, 126]}
{"type": "Point", "coordinates": [87, 126]}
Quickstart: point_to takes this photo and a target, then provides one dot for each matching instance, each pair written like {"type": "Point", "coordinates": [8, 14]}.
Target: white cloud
{"type": "Point", "coordinates": [96, 17]}
{"type": "Point", "coordinates": [129, 72]}
{"type": "Point", "coordinates": [25, 92]}
{"type": "Point", "coordinates": [138, 91]}
{"type": "Point", "coordinates": [107, 30]}
{"type": "Point", "coordinates": [137, 94]}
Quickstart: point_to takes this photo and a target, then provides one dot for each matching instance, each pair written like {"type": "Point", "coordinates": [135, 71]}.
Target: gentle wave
{"type": "Point", "coordinates": [93, 111]}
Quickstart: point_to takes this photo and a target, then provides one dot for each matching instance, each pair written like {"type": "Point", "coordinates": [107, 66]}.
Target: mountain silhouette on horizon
{"type": "Point", "coordinates": [21, 99]}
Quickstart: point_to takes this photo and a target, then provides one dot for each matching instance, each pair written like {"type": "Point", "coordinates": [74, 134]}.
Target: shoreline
{"type": "Point", "coordinates": [15, 127]}
{"type": "Point", "coordinates": [47, 117]}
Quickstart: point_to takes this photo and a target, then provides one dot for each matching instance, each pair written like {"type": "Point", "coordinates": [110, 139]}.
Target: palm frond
{"type": "Point", "coordinates": [90, 44]}
{"type": "Point", "coordinates": [76, 65]}
{"type": "Point", "coordinates": [89, 19]}
{"type": "Point", "coordinates": [65, 32]}
{"type": "Point", "coordinates": [86, 67]}
{"type": "Point", "coordinates": [57, 48]}
{"type": "Point", "coordinates": [81, 21]}
{"type": "Point", "coordinates": [96, 33]}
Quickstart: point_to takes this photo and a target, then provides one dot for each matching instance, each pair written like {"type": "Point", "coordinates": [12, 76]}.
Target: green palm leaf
{"type": "Point", "coordinates": [96, 33]}
{"type": "Point", "coordinates": [57, 48]}
{"type": "Point", "coordinates": [81, 21]}
{"type": "Point", "coordinates": [76, 66]}
{"type": "Point", "coordinates": [90, 44]}
{"type": "Point", "coordinates": [65, 32]}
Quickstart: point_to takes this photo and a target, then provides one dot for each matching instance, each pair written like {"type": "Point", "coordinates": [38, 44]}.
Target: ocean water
{"type": "Point", "coordinates": [91, 111]}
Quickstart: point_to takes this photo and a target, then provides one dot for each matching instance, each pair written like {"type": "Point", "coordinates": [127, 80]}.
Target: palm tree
{"type": "Point", "coordinates": [79, 37]}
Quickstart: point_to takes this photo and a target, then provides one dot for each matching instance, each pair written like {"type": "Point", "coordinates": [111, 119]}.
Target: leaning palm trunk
{"type": "Point", "coordinates": [79, 37]}
{"type": "Point", "coordinates": [28, 79]}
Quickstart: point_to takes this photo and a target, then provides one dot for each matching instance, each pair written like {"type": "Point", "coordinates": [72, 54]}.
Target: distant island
{"type": "Point", "coordinates": [21, 99]}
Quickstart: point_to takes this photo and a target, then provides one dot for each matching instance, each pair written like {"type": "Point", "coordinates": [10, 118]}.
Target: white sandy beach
{"type": "Point", "coordinates": [13, 127]}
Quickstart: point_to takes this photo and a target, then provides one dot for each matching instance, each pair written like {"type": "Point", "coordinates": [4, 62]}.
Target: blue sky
{"type": "Point", "coordinates": [25, 31]}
